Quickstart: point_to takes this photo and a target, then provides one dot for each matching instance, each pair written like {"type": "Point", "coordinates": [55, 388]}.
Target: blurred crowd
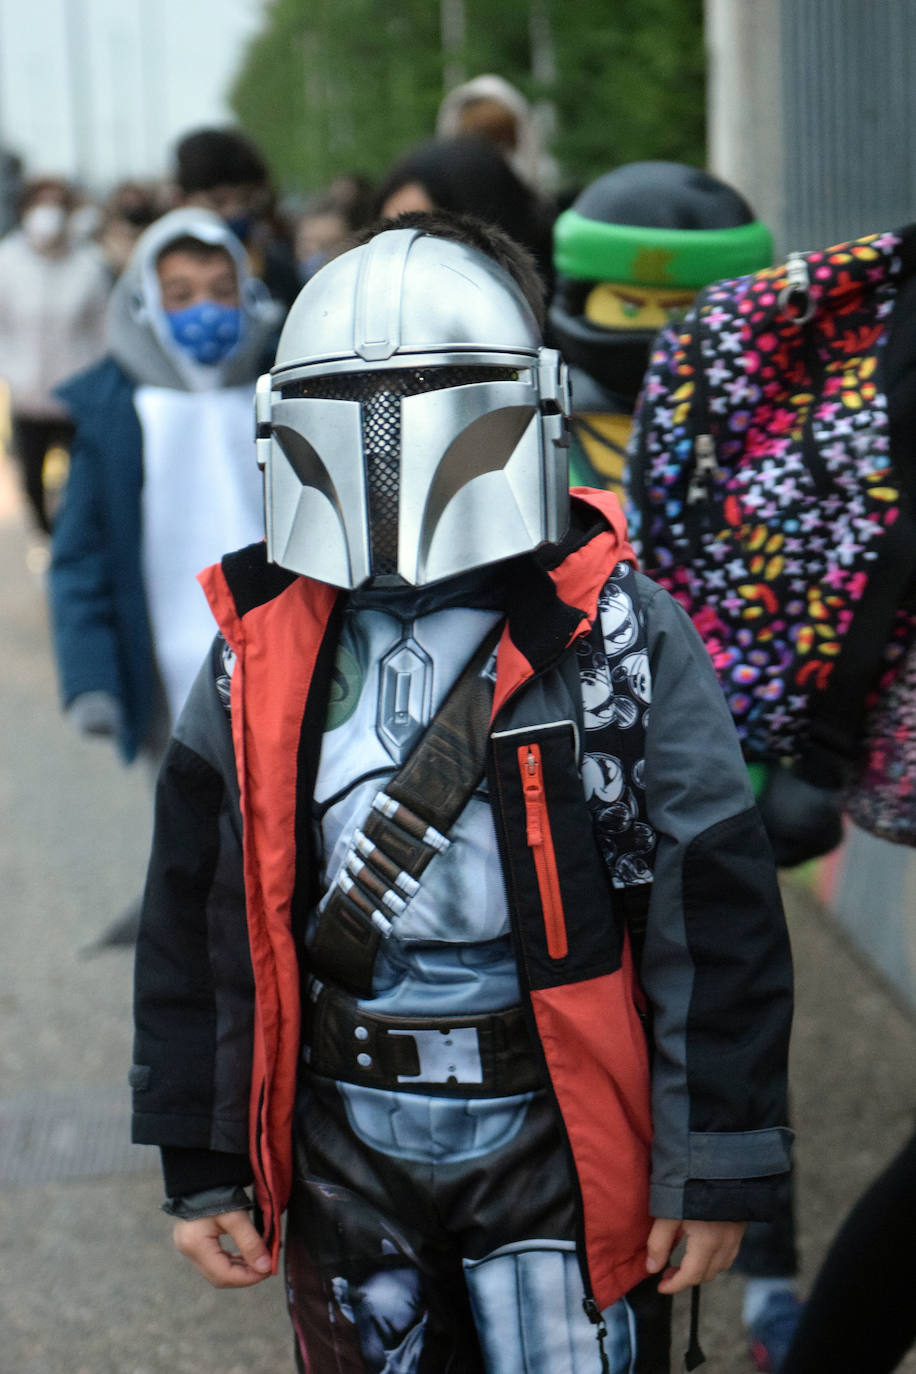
{"type": "Point", "coordinates": [64, 249]}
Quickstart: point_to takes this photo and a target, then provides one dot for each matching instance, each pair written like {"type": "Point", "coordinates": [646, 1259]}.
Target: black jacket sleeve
{"type": "Point", "coordinates": [193, 988]}
{"type": "Point", "coordinates": [716, 964]}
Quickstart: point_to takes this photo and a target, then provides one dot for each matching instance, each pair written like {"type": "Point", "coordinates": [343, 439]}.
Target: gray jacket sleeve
{"type": "Point", "coordinates": [716, 964]}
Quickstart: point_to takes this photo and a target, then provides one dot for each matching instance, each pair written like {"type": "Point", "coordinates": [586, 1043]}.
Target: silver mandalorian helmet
{"type": "Point", "coordinates": [412, 427]}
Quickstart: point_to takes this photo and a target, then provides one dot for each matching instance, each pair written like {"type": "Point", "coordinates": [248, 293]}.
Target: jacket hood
{"type": "Point", "coordinates": [528, 159]}
{"type": "Point", "coordinates": [138, 334]}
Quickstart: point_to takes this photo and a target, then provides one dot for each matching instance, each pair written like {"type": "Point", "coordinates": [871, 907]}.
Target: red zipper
{"type": "Point", "coordinates": [540, 841]}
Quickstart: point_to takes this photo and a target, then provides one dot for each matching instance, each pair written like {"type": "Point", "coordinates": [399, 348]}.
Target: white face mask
{"type": "Point", "coordinates": [43, 224]}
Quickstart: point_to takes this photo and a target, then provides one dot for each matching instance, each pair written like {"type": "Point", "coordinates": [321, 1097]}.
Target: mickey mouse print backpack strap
{"type": "Point", "coordinates": [616, 691]}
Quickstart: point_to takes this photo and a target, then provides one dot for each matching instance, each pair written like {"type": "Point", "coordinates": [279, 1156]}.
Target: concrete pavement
{"type": "Point", "coordinates": [90, 1283]}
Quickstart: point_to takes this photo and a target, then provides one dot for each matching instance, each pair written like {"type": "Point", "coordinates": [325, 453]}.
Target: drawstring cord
{"type": "Point", "coordinates": [593, 1312]}
{"type": "Point", "coordinates": [693, 1356]}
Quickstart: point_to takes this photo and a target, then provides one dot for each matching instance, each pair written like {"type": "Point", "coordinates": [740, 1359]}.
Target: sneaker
{"type": "Point", "coordinates": [771, 1334]}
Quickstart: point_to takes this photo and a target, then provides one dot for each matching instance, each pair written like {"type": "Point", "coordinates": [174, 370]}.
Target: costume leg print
{"type": "Point", "coordinates": [400, 1267]}
{"type": "Point", "coordinates": [367, 1298]}
{"type": "Point", "coordinates": [393, 1307]}
{"type": "Point", "coordinates": [527, 1305]}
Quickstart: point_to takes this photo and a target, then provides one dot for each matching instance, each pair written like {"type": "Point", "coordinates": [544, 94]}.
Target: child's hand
{"type": "Point", "coordinates": [711, 1248]}
{"type": "Point", "coordinates": [199, 1241]}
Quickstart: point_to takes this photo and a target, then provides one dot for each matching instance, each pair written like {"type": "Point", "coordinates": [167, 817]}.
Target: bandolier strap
{"type": "Point", "coordinates": [406, 828]}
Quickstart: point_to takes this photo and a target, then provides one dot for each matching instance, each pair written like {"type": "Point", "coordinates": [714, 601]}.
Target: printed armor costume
{"type": "Point", "coordinates": [449, 955]}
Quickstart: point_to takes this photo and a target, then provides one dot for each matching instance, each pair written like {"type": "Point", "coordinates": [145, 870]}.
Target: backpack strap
{"type": "Point", "coordinates": [703, 465]}
{"type": "Point", "coordinates": [615, 691]}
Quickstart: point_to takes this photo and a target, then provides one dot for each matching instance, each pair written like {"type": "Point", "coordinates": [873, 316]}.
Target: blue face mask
{"type": "Point", "coordinates": [207, 331]}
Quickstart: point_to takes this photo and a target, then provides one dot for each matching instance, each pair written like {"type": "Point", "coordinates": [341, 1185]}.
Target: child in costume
{"type": "Point", "coordinates": [630, 254]}
{"type": "Point", "coordinates": [159, 478]}
{"type": "Point", "coordinates": [432, 886]}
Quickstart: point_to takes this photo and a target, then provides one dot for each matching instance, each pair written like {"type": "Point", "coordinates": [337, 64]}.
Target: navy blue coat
{"type": "Point", "coordinates": [98, 603]}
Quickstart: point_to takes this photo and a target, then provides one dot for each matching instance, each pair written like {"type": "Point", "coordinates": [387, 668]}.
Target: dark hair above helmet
{"type": "Point", "coordinates": [217, 157]}
{"type": "Point", "coordinates": [654, 227]}
{"type": "Point", "coordinates": [487, 238]}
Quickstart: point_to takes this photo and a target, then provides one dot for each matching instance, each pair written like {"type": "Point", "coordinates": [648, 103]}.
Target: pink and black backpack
{"type": "Point", "coordinates": [772, 489]}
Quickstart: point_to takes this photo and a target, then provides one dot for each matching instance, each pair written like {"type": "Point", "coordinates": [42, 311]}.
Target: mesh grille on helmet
{"type": "Point", "coordinates": [382, 447]}
{"type": "Point", "coordinates": [379, 394]}
{"type": "Point", "coordinates": [408, 381]}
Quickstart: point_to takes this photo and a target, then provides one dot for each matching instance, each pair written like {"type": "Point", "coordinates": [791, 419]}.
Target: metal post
{"type": "Point", "coordinates": [453, 34]}
{"type": "Point", "coordinates": [745, 115]}
{"type": "Point", "coordinates": [543, 68]}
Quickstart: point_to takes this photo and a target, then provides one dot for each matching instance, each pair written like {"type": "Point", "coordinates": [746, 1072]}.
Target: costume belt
{"type": "Point", "coordinates": [491, 1055]}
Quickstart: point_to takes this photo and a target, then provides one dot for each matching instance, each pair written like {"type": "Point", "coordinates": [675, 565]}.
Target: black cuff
{"type": "Point", "coordinates": [751, 1199]}
{"type": "Point", "coordinates": [191, 1171]}
{"type": "Point", "coordinates": [209, 1202]}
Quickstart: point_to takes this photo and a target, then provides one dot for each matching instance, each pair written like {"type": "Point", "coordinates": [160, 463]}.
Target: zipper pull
{"type": "Point", "coordinates": [705, 468]}
{"type": "Point", "coordinates": [533, 794]}
{"type": "Point", "coordinates": [593, 1312]}
{"type": "Point", "coordinates": [797, 290]}
{"type": "Point", "coordinates": [796, 272]}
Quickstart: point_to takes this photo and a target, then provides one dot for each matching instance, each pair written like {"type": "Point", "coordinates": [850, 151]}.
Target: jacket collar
{"type": "Point", "coordinates": [550, 596]}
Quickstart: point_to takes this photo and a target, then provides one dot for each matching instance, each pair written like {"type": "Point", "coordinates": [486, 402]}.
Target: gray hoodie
{"type": "Point", "coordinates": [137, 328]}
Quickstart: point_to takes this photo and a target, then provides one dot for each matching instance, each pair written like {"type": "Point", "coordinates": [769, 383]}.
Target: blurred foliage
{"type": "Point", "coordinates": [332, 86]}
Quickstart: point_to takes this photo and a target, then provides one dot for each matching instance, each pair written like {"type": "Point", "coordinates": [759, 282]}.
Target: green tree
{"type": "Point", "coordinates": [348, 85]}
{"type": "Point", "coordinates": [632, 87]}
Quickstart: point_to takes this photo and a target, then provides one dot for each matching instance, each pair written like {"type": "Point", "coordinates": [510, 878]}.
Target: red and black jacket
{"type": "Point", "coordinates": [218, 911]}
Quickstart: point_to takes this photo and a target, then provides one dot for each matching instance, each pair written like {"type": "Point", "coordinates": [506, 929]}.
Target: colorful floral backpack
{"type": "Point", "coordinates": [882, 796]}
{"type": "Point", "coordinates": [771, 487]}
